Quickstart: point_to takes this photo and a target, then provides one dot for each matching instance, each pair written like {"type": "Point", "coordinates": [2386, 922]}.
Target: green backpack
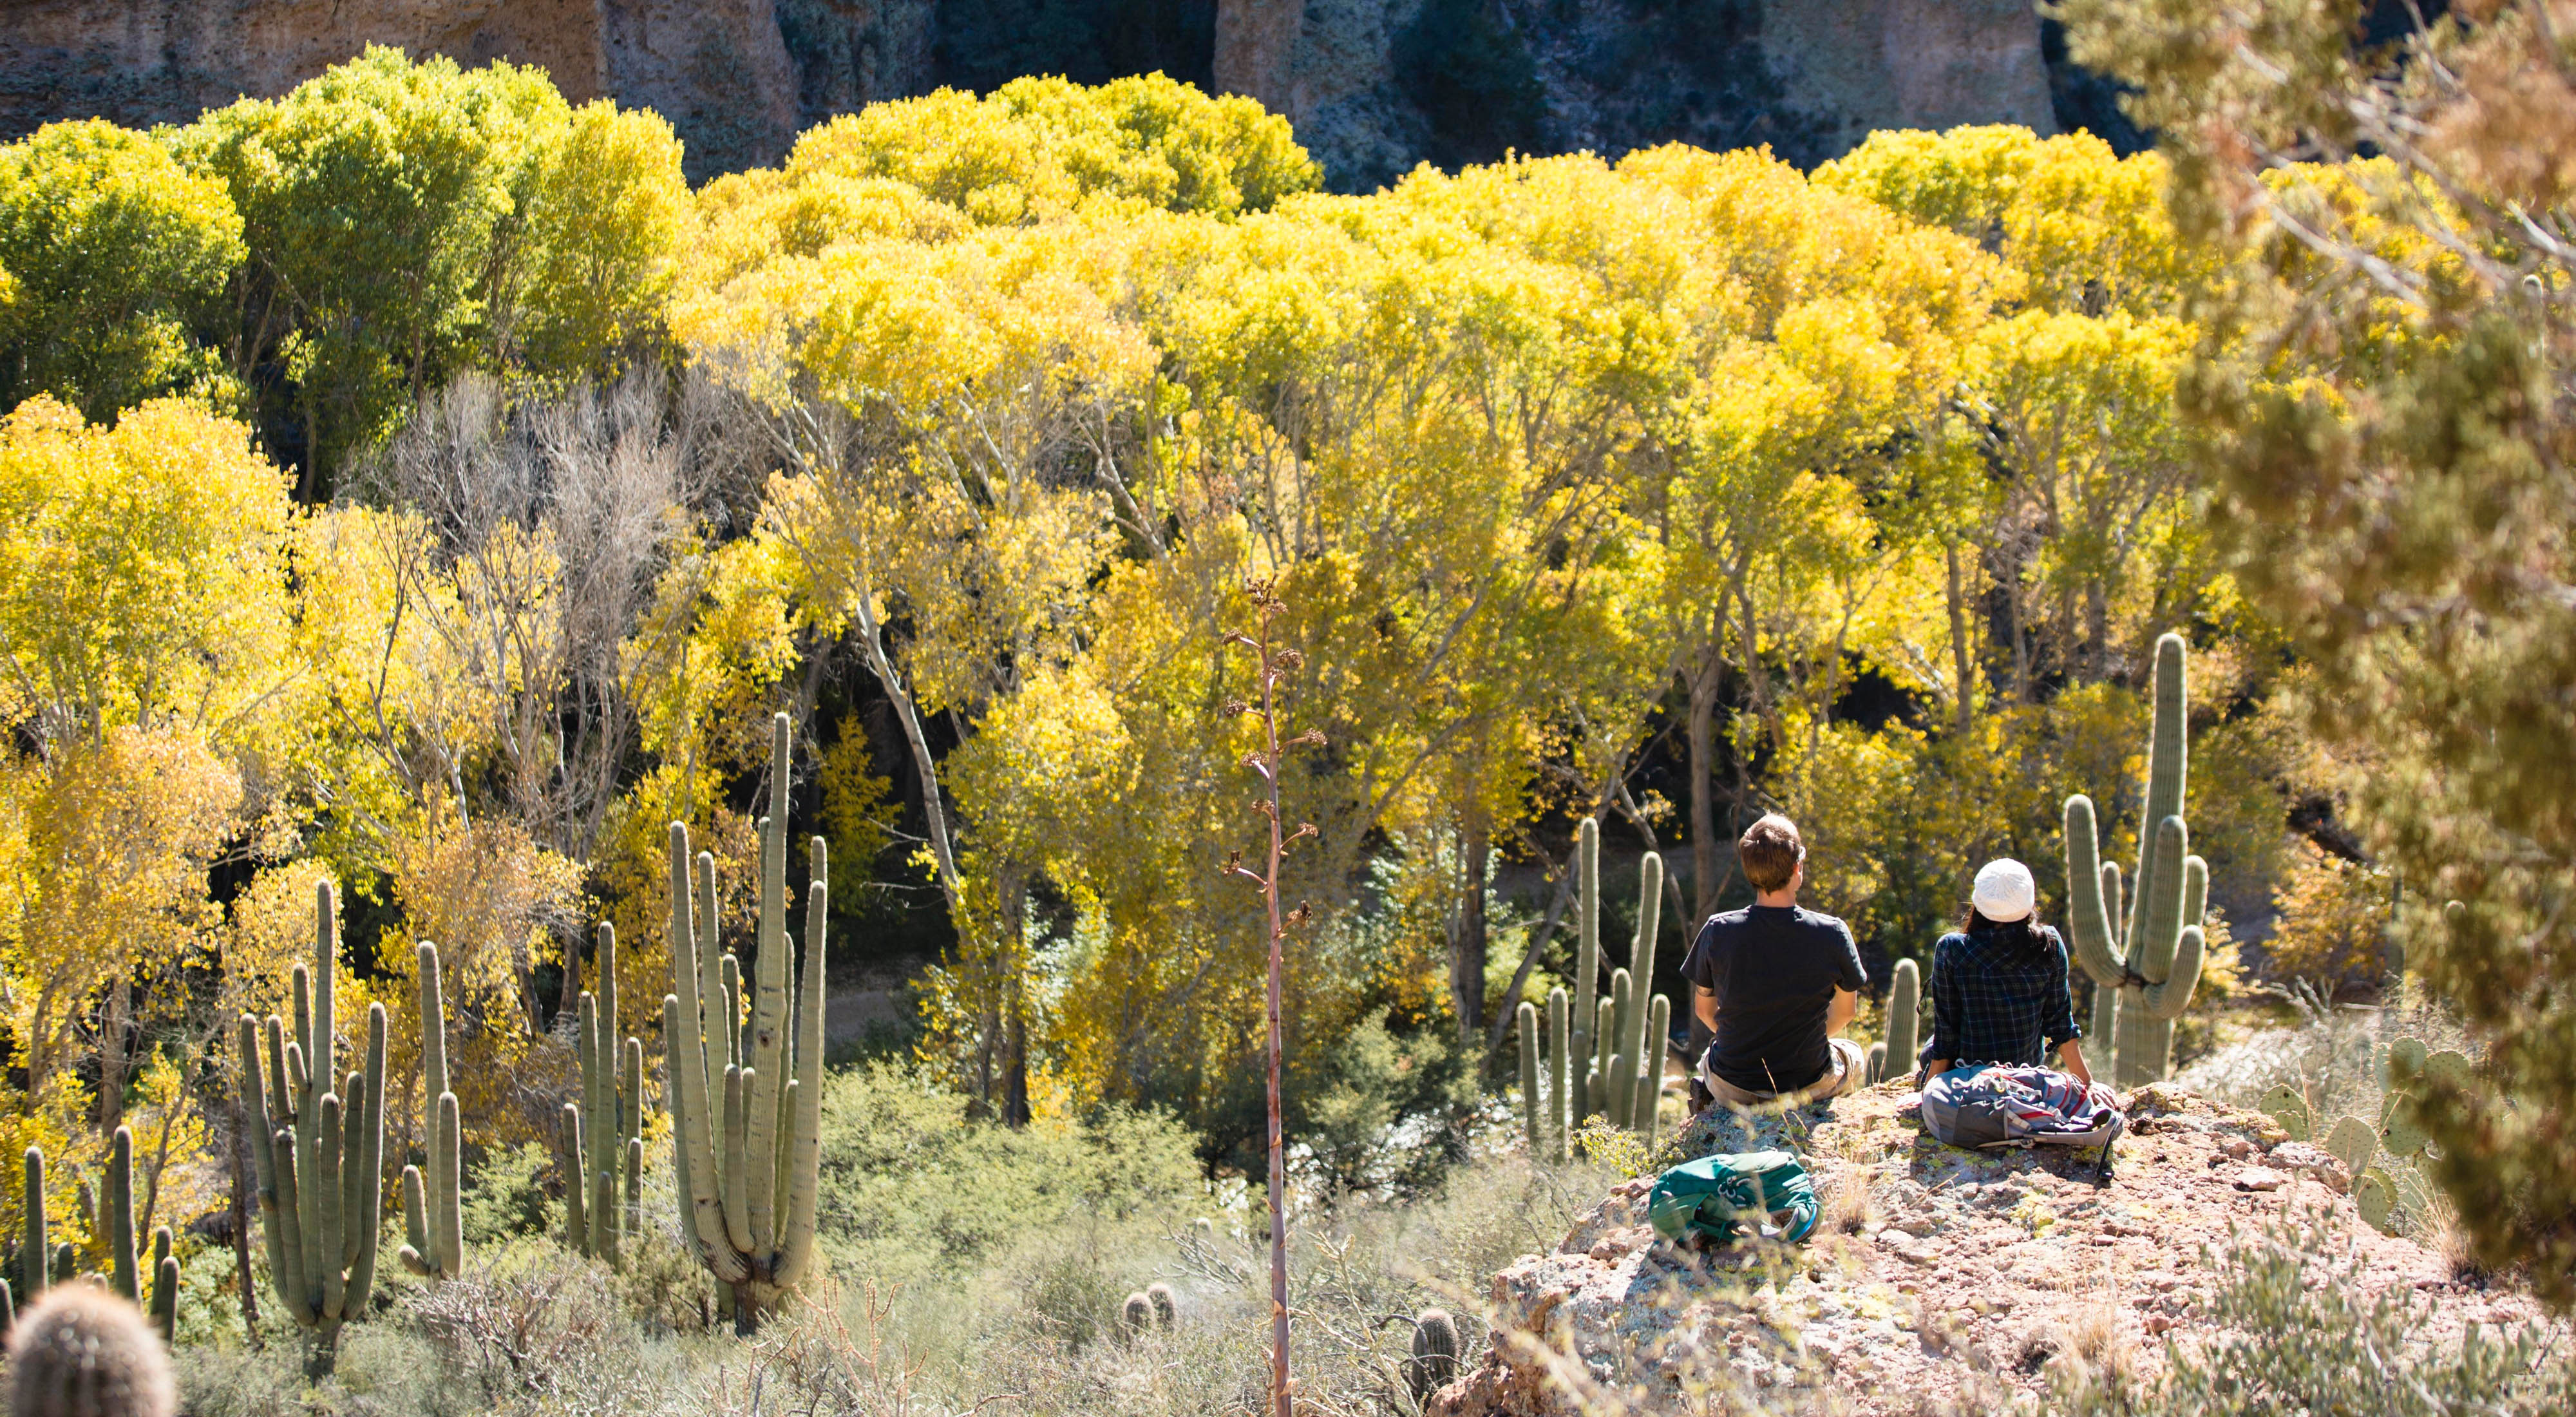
{"type": "Point", "coordinates": [1710, 1198]}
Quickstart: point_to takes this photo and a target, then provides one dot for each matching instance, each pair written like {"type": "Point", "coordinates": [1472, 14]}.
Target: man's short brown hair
{"type": "Point", "coordinates": [1770, 850]}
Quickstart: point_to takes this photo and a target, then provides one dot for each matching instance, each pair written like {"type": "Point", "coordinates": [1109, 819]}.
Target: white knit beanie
{"type": "Point", "coordinates": [2004, 892]}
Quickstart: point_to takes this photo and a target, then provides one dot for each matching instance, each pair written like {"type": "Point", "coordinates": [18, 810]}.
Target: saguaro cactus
{"type": "Point", "coordinates": [34, 1253]}
{"type": "Point", "coordinates": [1547, 1079]}
{"type": "Point", "coordinates": [748, 1110]}
{"type": "Point", "coordinates": [319, 1152]}
{"type": "Point", "coordinates": [1638, 1062]}
{"type": "Point", "coordinates": [1904, 1024]}
{"type": "Point", "coordinates": [433, 1209]}
{"type": "Point", "coordinates": [2144, 972]}
{"type": "Point", "coordinates": [609, 1120]}
{"type": "Point", "coordinates": [1587, 965]}
{"type": "Point", "coordinates": [165, 1284]}
{"type": "Point", "coordinates": [124, 1273]}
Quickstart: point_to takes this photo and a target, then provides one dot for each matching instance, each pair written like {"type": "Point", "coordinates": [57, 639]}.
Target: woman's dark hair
{"type": "Point", "coordinates": [1970, 922]}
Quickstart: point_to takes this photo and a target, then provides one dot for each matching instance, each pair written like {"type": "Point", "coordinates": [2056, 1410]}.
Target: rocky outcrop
{"type": "Point", "coordinates": [1938, 1272]}
{"type": "Point", "coordinates": [1382, 83]}
{"type": "Point", "coordinates": [718, 69]}
{"type": "Point", "coordinates": [1373, 85]}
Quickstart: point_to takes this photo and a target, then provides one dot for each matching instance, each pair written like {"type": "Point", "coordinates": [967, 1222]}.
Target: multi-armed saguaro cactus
{"type": "Point", "coordinates": [2143, 972]}
{"type": "Point", "coordinates": [1609, 1049]}
{"type": "Point", "coordinates": [603, 1135]}
{"type": "Point", "coordinates": [747, 1143]}
{"type": "Point", "coordinates": [1634, 1078]}
{"type": "Point", "coordinates": [320, 1152]}
{"type": "Point", "coordinates": [433, 1214]}
{"type": "Point", "coordinates": [165, 1284]}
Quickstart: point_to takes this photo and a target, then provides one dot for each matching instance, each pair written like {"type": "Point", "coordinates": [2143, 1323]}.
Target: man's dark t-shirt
{"type": "Point", "coordinates": [1774, 969]}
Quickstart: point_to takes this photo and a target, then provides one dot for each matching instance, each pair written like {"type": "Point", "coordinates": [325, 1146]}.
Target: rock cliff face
{"type": "Point", "coordinates": [1374, 85]}
{"type": "Point", "coordinates": [718, 69]}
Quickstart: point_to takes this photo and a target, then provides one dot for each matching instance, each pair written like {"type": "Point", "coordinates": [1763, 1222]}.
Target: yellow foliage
{"type": "Point", "coordinates": [492, 900]}
{"type": "Point", "coordinates": [106, 847]}
{"type": "Point", "coordinates": [141, 571]}
{"type": "Point", "coordinates": [2334, 918]}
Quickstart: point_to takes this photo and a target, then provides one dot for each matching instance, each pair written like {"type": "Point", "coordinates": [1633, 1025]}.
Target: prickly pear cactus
{"type": "Point", "coordinates": [2284, 1105]}
{"type": "Point", "coordinates": [2353, 1142]}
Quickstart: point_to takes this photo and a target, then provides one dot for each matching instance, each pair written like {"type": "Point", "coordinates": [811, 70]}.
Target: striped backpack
{"type": "Point", "coordinates": [1988, 1105]}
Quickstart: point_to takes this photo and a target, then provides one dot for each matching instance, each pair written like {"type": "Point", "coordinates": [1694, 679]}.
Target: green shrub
{"type": "Point", "coordinates": [912, 1189]}
{"type": "Point", "coordinates": [2289, 1327]}
{"type": "Point", "coordinates": [505, 1196]}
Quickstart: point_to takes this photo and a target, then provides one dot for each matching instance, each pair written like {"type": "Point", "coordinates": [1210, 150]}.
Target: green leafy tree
{"type": "Point", "coordinates": [118, 256]}
{"type": "Point", "coordinates": [407, 222]}
{"type": "Point", "coordinates": [2384, 383]}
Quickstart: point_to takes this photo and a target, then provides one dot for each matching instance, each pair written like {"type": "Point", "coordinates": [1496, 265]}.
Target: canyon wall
{"type": "Point", "coordinates": [1374, 85]}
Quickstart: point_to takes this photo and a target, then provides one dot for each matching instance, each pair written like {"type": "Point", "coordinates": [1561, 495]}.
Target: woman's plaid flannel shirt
{"type": "Point", "coordinates": [1999, 996]}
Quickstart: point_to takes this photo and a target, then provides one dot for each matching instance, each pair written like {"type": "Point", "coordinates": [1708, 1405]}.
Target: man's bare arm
{"type": "Point", "coordinates": [1839, 1013]}
{"type": "Point", "coordinates": [1704, 1004]}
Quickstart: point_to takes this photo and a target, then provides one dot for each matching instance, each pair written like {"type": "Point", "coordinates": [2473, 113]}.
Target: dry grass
{"type": "Point", "coordinates": [531, 1329]}
{"type": "Point", "coordinates": [1846, 1200]}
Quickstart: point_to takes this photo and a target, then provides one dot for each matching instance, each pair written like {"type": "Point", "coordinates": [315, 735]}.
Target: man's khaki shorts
{"type": "Point", "coordinates": [1850, 1065]}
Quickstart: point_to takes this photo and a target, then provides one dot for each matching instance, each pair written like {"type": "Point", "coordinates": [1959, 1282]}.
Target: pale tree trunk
{"type": "Point", "coordinates": [2097, 629]}
{"type": "Point", "coordinates": [1015, 1009]}
{"type": "Point", "coordinates": [1959, 656]}
{"type": "Point", "coordinates": [1256, 49]}
{"type": "Point", "coordinates": [1705, 880]}
{"type": "Point", "coordinates": [1703, 788]}
{"type": "Point", "coordinates": [111, 1053]}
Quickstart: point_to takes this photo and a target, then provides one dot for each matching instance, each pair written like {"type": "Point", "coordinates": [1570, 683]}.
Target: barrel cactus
{"type": "Point", "coordinates": [2144, 970]}
{"type": "Point", "coordinates": [83, 1351]}
{"type": "Point", "coordinates": [747, 1110]}
{"type": "Point", "coordinates": [319, 1152]}
{"type": "Point", "coordinates": [1435, 1354]}
{"type": "Point", "coordinates": [1167, 1305]}
{"type": "Point", "coordinates": [1136, 1315]}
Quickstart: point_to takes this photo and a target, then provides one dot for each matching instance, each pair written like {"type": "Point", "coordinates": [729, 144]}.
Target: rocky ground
{"type": "Point", "coordinates": [1937, 1272]}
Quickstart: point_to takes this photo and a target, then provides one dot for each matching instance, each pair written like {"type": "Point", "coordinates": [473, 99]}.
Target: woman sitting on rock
{"type": "Point", "coordinates": [1999, 990]}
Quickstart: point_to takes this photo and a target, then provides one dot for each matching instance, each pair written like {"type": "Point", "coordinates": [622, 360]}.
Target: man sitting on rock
{"type": "Point", "coordinates": [1774, 983]}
